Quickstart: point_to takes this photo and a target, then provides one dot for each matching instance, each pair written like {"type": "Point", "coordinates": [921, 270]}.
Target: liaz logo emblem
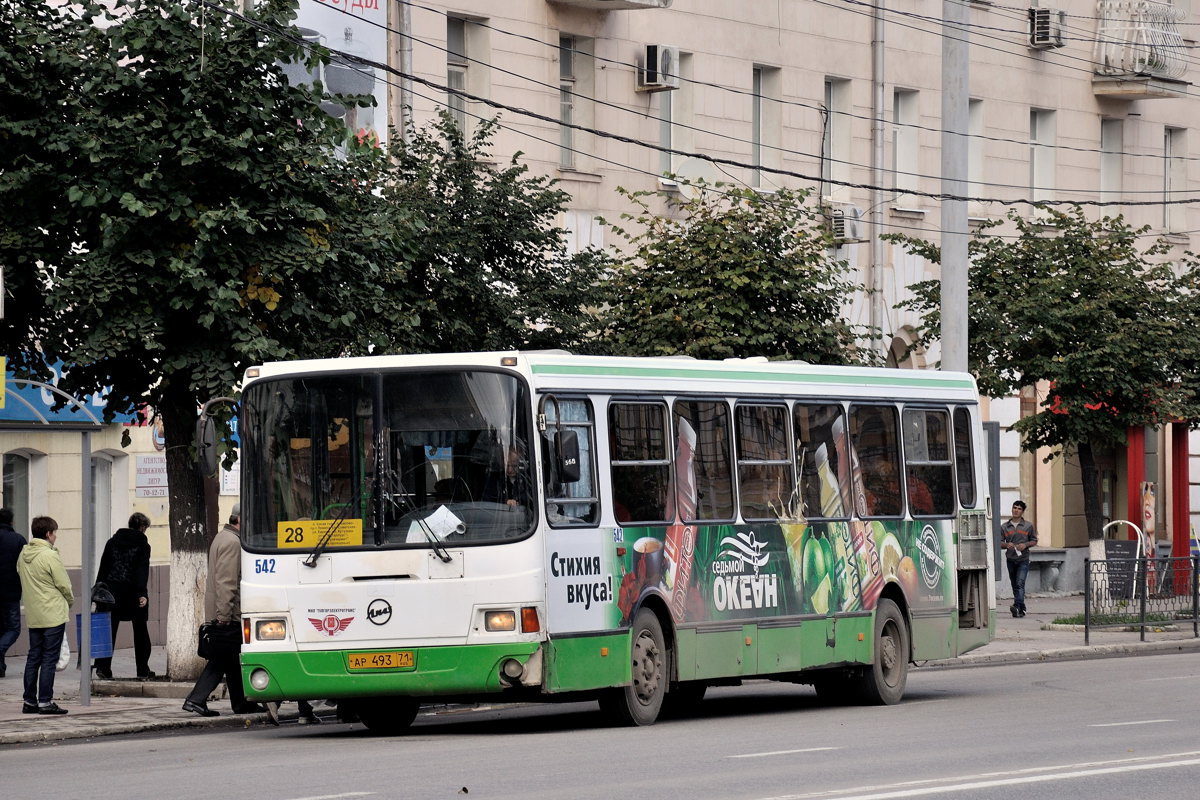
{"type": "Point", "coordinates": [331, 624]}
{"type": "Point", "coordinates": [379, 612]}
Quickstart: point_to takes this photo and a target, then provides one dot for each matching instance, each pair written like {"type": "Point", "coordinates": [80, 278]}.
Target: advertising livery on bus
{"type": "Point", "coordinates": [548, 526]}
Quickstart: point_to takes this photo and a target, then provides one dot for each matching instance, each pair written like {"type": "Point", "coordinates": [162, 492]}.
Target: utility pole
{"type": "Point", "coordinates": [955, 103]}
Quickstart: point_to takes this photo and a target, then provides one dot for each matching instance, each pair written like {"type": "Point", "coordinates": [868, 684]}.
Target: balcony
{"type": "Point", "coordinates": [1139, 54]}
{"type": "Point", "coordinates": [614, 5]}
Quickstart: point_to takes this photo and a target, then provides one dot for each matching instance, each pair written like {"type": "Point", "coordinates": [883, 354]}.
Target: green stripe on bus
{"type": "Point", "coordinates": [450, 670]}
{"type": "Point", "coordinates": [744, 375]}
{"type": "Point", "coordinates": [579, 663]}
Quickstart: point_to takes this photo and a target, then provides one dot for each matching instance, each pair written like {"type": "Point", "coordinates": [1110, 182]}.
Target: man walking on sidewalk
{"type": "Point", "coordinates": [1018, 536]}
{"type": "Point", "coordinates": [222, 603]}
{"type": "Point", "coordinates": [11, 543]}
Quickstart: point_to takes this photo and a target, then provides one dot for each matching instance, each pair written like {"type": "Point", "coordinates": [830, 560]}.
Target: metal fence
{"type": "Point", "coordinates": [1142, 593]}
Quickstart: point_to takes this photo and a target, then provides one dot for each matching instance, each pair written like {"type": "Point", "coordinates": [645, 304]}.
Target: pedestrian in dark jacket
{"type": "Point", "coordinates": [125, 570]}
{"type": "Point", "coordinates": [11, 543]}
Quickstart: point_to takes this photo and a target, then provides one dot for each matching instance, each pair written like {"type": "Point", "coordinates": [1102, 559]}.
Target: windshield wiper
{"type": "Point", "coordinates": [316, 552]}
{"type": "Point", "coordinates": [438, 547]}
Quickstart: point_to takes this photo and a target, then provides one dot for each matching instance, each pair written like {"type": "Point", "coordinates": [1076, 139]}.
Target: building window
{"type": "Point", "coordinates": [1174, 178]}
{"type": "Point", "coordinates": [101, 497]}
{"type": "Point", "coordinates": [1112, 146]}
{"type": "Point", "coordinates": [1041, 155]}
{"type": "Point", "coordinates": [665, 131]}
{"type": "Point", "coordinates": [766, 124]}
{"type": "Point", "coordinates": [16, 489]}
{"type": "Point", "coordinates": [905, 153]}
{"type": "Point", "coordinates": [456, 70]}
{"type": "Point", "coordinates": [566, 101]}
{"type": "Point", "coordinates": [835, 142]}
{"type": "Point", "coordinates": [975, 186]}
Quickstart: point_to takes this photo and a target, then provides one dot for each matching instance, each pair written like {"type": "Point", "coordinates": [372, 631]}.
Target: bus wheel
{"type": "Point", "coordinates": [640, 702]}
{"type": "Point", "coordinates": [882, 682]}
{"type": "Point", "coordinates": [684, 699]}
{"type": "Point", "coordinates": [387, 716]}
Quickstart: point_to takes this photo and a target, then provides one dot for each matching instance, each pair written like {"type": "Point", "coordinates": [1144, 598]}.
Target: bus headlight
{"type": "Point", "coordinates": [500, 620]}
{"type": "Point", "coordinates": [270, 630]}
{"type": "Point", "coordinates": [259, 679]}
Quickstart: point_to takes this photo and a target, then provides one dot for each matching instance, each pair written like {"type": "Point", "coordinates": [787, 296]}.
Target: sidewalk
{"type": "Point", "coordinates": [131, 706]}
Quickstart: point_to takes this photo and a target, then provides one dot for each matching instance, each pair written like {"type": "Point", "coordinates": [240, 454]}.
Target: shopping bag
{"type": "Point", "coordinates": [64, 655]}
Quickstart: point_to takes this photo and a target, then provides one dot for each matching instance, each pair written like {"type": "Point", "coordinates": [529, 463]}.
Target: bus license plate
{"type": "Point", "coordinates": [391, 659]}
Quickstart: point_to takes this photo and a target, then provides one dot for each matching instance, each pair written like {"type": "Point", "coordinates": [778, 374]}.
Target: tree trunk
{"type": "Point", "coordinates": [1090, 475]}
{"type": "Point", "coordinates": [189, 538]}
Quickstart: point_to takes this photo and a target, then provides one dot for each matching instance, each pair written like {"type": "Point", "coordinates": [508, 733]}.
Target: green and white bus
{"type": "Point", "coordinates": [520, 526]}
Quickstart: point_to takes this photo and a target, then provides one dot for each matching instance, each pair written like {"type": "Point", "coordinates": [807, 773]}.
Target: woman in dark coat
{"type": "Point", "coordinates": [125, 570]}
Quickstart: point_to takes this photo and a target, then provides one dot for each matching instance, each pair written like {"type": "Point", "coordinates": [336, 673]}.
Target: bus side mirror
{"type": "Point", "coordinates": [566, 456]}
{"type": "Point", "coordinates": [206, 446]}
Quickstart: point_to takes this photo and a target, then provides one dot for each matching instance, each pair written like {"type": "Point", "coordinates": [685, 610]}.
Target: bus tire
{"type": "Point", "coordinates": [387, 716]}
{"type": "Point", "coordinates": [882, 681]}
{"type": "Point", "coordinates": [640, 702]}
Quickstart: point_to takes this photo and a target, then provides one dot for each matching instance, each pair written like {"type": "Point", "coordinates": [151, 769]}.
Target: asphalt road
{"type": "Point", "coordinates": [1118, 727]}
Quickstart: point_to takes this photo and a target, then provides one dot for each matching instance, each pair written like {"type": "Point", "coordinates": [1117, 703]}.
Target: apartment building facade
{"type": "Point", "coordinates": [1083, 102]}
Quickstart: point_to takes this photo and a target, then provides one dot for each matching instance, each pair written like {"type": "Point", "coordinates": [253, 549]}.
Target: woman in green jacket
{"type": "Point", "coordinates": [46, 592]}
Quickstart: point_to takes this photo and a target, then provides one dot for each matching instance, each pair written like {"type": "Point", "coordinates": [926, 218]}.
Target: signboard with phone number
{"type": "Point", "coordinates": [309, 532]}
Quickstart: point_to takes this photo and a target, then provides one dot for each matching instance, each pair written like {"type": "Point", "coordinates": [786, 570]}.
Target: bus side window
{"type": "Point", "coordinates": [965, 467]}
{"type": "Point", "coordinates": [875, 441]}
{"type": "Point", "coordinates": [641, 463]}
{"type": "Point", "coordinates": [573, 503]}
{"type": "Point", "coordinates": [702, 427]}
{"type": "Point", "coordinates": [928, 471]}
{"type": "Point", "coordinates": [765, 481]}
{"type": "Point", "coordinates": [821, 462]}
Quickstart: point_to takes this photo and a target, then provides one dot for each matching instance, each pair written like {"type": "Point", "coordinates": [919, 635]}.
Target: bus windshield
{"type": "Point", "coordinates": [387, 459]}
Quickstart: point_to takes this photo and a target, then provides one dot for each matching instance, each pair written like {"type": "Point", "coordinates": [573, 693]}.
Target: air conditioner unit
{"type": "Point", "coordinates": [658, 68]}
{"type": "Point", "coordinates": [846, 225]}
{"type": "Point", "coordinates": [1046, 28]}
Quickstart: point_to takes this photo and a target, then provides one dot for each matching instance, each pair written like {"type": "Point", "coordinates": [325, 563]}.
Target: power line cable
{"type": "Point", "coordinates": [353, 58]}
{"type": "Point", "coordinates": [800, 104]}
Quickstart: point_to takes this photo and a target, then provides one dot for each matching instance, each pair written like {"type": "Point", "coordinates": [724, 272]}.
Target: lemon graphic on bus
{"type": "Point", "coordinates": [817, 574]}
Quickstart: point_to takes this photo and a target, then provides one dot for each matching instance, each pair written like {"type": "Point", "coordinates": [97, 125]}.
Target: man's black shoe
{"type": "Point", "coordinates": [53, 708]}
{"type": "Point", "coordinates": [249, 708]}
{"type": "Point", "coordinates": [3, 670]}
{"type": "Point", "coordinates": [1016, 612]}
{"type": "Point", "coordinates": [200, 708]}
{"type": "Point", "coordinates": [148, 675]}
{"type": "Point", "coordinates": [103, 674]}
{"type": "Point", "coordinates": [1022, 612]}
{"type": "Point", "coordinates": [26, 708]}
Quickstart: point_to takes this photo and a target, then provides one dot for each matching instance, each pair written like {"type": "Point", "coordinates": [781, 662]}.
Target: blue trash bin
{"type": "Point", "coordinates": [102, 644]}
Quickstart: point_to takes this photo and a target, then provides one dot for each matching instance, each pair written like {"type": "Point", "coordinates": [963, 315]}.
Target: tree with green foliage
{"type": "Point", "coordinates": [1079, 306]}
{"type": "Point", "coordinates": [490, 266]}
{"type": "Point", "coordinates": [177, 212]}
{"type": "Point", "coordinates": [730, 272]}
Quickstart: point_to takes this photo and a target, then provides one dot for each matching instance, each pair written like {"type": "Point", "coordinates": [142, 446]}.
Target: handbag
{"type": "Point", "coordinates": [218, 641]}
{"type": "Point", "coordinates": [103, 597]}
{"type": "Point", "coordinates": [64, 655]}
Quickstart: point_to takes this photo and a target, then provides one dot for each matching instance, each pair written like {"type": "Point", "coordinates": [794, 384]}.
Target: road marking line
{"type": "Point", "coordinates": [1131, 722]}
{"type": "Point", "coordinates": [784, 752]}
{"type": "Point", "coordinates": [335, 796]}
{"type": "Point", "coordinates": [1027, 775]}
